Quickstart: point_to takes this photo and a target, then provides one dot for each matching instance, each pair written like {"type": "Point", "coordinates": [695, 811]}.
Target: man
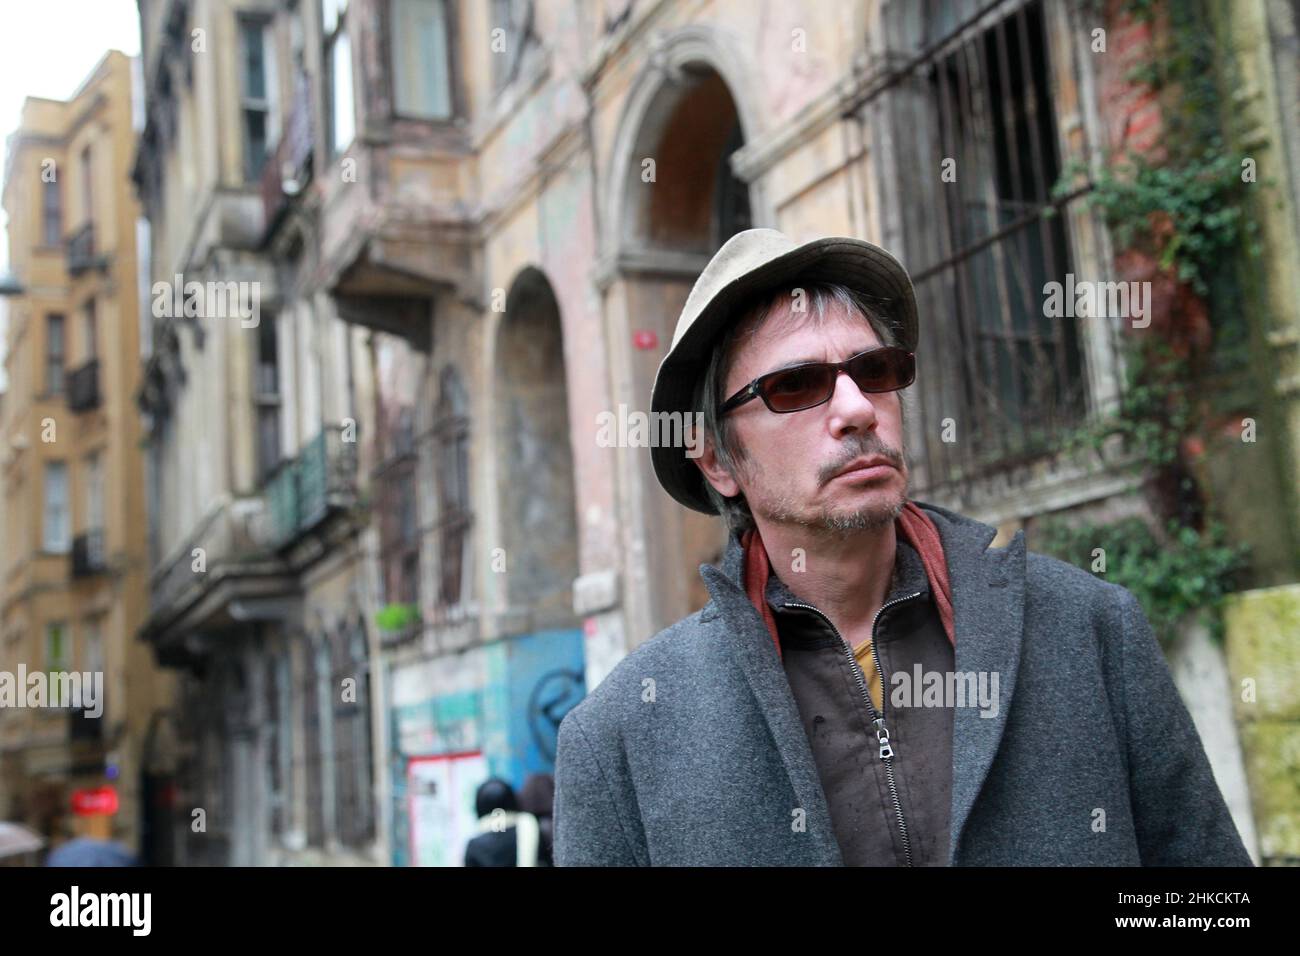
{"type": "Point", "coordinates": [870, 683]}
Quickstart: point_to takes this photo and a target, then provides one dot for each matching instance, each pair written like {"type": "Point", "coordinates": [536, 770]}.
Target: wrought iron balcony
{"type": "Point", "coordinates": [83, 387]}
{"type": "Point", "coordinates": [88, 556]}
{"type": "Point", "coordinates": [81, 250]}
{"type": "Point", "coordinates": [287, 169]}
{"type": "Point", "coordinates": [303, 491]}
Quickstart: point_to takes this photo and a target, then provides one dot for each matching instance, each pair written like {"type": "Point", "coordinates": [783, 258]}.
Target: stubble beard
{"type": "Point", "coordinates": [787, 509]}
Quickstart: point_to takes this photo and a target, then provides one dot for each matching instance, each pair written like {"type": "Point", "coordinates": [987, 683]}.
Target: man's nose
{"type": "Point", "coordinates": [850, 407]}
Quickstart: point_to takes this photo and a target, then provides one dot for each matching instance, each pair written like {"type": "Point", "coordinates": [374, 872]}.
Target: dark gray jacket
{"type": "Point", "coordinates": [692, 750]}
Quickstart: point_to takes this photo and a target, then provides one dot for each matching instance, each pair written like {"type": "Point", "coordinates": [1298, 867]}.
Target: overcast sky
{"type": "Point", "coordinates": [48, 47]}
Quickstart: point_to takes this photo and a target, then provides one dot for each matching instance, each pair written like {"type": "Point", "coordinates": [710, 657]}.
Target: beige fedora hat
{"type": "Point", "coordinates": [749, 263]}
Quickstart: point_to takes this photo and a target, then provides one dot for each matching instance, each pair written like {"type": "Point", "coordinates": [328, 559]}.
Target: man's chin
{"type": "Point", "coordinates": [863, 519]}
{"type": "Point", "coordinates": [842, 520]}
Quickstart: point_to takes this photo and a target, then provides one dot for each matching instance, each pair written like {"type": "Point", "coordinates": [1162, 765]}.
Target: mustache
{"type": "Point", "coordinates": [866, 445]}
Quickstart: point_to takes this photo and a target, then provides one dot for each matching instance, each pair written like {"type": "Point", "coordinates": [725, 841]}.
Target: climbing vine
{"type": "Point", "coordinates": [1181, 215]}
{"type": "Point", "coordinates": [1182, 572]}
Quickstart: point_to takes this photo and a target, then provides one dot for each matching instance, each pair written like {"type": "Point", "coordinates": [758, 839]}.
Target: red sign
{"type": "Point", "coordinates": [101, 801]}
{"type": "Point", "coordinates": [645, 339]}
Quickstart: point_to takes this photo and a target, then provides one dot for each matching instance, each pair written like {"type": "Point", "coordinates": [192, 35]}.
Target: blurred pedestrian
{"type": "Point", "coordinates": [86, 851]}
{"type": "Point", "coordinates": [506, 837]}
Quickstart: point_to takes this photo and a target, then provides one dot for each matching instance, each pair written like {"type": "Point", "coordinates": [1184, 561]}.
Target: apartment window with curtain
{"type": "Point", "coordinates": [421, 59]}
{"type": "Point", "coordinates": [51, 214]}
{"type": "Point", "coordinates": [56, 535]}
{"type": "Point", "coordinates": [257, 91]}
{"type": "Point", "coordinates": [338, 68]}
{"type": "Point", "coordinates": [54, 357]}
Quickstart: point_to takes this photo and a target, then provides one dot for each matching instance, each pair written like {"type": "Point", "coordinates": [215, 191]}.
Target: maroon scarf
{"type": "Point", "coordinates": [913, 524]}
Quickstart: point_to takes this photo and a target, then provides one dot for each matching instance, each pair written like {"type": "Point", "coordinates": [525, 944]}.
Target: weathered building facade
{"type": "Point", "coordinates": [473, 226]}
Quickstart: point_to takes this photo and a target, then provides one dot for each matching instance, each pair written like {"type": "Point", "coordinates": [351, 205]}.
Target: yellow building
{"type": "Point", "coordinates": [74, 570]}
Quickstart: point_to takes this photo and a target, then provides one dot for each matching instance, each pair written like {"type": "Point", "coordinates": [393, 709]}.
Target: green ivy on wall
{"type": "Point", "coordinates": [1186, 572]}
{"type": "Point", "coordinates": [1188, 211]}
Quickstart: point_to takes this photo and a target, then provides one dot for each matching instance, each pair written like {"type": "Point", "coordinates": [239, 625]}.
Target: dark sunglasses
{"type": "Point", "coordinates": [803, 386]}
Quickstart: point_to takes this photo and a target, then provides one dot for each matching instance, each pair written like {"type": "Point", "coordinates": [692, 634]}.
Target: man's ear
{"type": "Point", "coordinates": [714, 473]}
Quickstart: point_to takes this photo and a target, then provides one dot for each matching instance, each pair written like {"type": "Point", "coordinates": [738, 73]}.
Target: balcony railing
{"type": "Point", "coordinates": [88, 556]}
{"type": "Point", "coordinates": [81, 250]}
{"type": "Point", "coordinates": [287, 169]}
{"type": "Point", "coordinates": [83, 387]}
{"type": "Point", "coordinates": [303, 491]}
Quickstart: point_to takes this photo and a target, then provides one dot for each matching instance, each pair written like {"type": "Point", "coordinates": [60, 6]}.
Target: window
{"type": "Point", "coordinates": [56, 531]}
{"type": "Point", "coordinates": [395, 482]}
{"type": "Point", "coordinates": [94, 661]}
{"type": "Point", "coordinates": [338, 59]}
{"type": "Point", "coordinates": [87, 185]}
{"type": "Point", "coordinates": [421, 65]}
{"type": "Point", "coordinates": [94, 493]}
{"type": "Point", "coordinates": [353, 779]}
{"type": "Point", "coordinates": [54, 354]}
{"type": "Point", "coordinates": [515, 19]}
{"type": "Point", "coordinates": [51, 214]}
{"type": "Point", "coordinates": [979, 102]}
{"type": "Point", "coordinates": [56, 646]}
{"type": "Point", "coordinates": [314, 695]}
{"type": "Point", "coordinates": [267, 399]}
{"type": "Point", "coordinates": [256, 53]}
{"type": "Point", "coordinates": [279, 750]}
{"type": "Point", "coordinates": [92, 331]}
{"type": "Point", "coordinates": [452, 430]}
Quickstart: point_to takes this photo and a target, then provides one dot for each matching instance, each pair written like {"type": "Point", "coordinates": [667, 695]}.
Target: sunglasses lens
{"type": "Point", "coordinates": [798, 388]}
{"type": "Point", "coordinates": [880, 370]}
{"type": "Point", "coordinates": [883, 370]}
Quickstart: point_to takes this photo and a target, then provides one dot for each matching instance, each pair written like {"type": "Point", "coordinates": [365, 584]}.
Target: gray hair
{"type": "Point", "coordinates": [719, 432]}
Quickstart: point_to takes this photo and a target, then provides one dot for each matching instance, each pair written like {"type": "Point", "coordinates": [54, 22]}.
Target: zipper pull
{"type": "Point", "coordinates": [882, 735]}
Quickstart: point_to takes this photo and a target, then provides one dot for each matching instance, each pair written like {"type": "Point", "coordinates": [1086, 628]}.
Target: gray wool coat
{"type": "Point", "coordinates": [691, 751]}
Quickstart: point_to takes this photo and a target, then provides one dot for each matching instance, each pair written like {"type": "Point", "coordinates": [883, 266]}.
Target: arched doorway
{"type": "Point", "coordinates": [675, 200]}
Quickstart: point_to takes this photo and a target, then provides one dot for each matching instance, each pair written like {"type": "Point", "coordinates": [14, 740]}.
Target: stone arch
{"type": "Point", "coordinates": [679, 61]}
{"type": "Point", "coordinates": [690, 109]}
{"type": "Point", "coordinates": [537, 508]}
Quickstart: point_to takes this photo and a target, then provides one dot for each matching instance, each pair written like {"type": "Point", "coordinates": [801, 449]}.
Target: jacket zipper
{"type": "Point", "coordinates": [887, 752]}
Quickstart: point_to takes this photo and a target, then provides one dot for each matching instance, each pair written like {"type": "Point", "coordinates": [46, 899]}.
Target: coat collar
{"type": "Point", "coordinates": [909, 578]}
{"type": "Point", "coordinates": [988, 591]}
